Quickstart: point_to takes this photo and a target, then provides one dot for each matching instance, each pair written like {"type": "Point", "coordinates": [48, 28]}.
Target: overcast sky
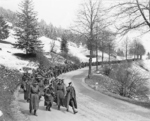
{"type": "Point", "coordinates": [58, 12]}
{"type": "Point", "coordinates": [61, 13]}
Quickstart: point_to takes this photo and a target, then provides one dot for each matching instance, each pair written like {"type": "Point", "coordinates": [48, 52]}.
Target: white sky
{"type": "Point", "coordinates": [58, 12]}
{"type": "Point", "coordinates": [61, 13]}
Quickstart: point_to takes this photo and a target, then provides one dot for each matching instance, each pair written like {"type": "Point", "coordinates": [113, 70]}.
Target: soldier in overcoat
{"type": "Point", "coordinates": [23, 86]}
{"type": "Point", "coordinates": [70, 98]}
{"type": "Point", "coordinates": [41, 88]}
{"type": "Point", "coordinates": [26, 87]}
{"type": "Point", "coordinates": [60, 94]}
{"type": "Point", "coordinates": [34, 98]}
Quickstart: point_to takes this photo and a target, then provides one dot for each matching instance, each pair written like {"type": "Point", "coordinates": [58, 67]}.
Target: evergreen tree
{"type": "Point", "coordinates": [64, 45]}
{"type": "Point", "coordinates": [4, 33]}
{"type": "Point", "coordinates": [27, 31]}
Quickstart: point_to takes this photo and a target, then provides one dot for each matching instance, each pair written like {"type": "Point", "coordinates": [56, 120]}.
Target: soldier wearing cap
{"type": "Point", "coordinates": [28, 88]}
{"type": "Point", "coordinates": [34, 100]}
{"type": "Point", "coordinates": [49, 97]}
{"type": "Point", "coordinates": [41, 88]}
{"type": "Point", "coordinates": [60, 94]}
{"type": "Point", "coordinates": [71, 98]}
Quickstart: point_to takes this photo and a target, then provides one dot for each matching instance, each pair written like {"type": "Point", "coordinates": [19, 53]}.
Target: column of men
{"type": "Point", "coordinates": [44, 82]}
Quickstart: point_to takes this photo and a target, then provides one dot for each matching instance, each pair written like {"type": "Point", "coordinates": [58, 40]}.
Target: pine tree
{"type": "Point", "coordinates": [27, 31]}
{"type": "Point", "coordinates": [4, 33]}
{"type": "Point", "coordinates": [64, 45]}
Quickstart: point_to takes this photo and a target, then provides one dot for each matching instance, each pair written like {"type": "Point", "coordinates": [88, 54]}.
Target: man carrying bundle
{"type": "Point", "coordinates": [49, 97]}
{"type": "Point", "coordinates": [71, 98]}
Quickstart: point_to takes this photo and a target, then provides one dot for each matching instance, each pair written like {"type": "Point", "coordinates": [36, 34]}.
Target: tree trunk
{"type": "Point", "coordinates": [141, 57]}
{"type": "Point", "coordinates": [90, 64]}
{"type": "Point", "coordinates": [109, 54]}
{"type": "Point", "coordinates": [102, 54]}
{"type": "Point", "coordinates": [96, 56]}
{"type": "Point", "coordinates": [126, 52]}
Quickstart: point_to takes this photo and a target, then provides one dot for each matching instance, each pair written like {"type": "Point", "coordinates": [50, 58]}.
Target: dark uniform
{"type": "Point", "coordinates": [70, 98]}
{"type": "Point", "coordinates": [49, 93]}
{"type": "Point", "coordinates": [41, 88]}
{"type": "Point", "coordinates": [23, 86]}
{"type": "Point", "coordinates": [27, 87]}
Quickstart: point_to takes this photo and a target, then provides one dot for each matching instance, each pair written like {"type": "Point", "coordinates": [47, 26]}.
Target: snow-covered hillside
{"type": "Point", "coordinates": [74, 50]}
{"type": "Point", "coordinates": [8, 59]}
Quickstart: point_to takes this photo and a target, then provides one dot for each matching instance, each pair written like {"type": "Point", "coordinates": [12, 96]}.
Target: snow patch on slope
{"type": "Point", "coordinates": [7, 57]}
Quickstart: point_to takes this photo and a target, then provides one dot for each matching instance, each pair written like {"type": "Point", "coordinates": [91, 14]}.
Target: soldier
{"type": "Point", "coordinates": [60, 94]}
{"type": "Point", "coordinates": [34, 100]}
{"type": "Point", "coordinates": [41, 88]}
{"type": "Point", "coordinates": [49, 97]}
{"type": "Point", "coordinates": [28, 88]}
{"type": "Point", "coordinates": [71, 98]}
{"type": "Point", "coordinates": [23, 86]}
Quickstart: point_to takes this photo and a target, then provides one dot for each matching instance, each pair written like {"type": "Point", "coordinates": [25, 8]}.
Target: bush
{"type": "Point", "coordinates": [70, 57]}
{"type": "Point", "coordinates": [29, 56]}
{"type": "Point", "coordinates": [9, 80]}
{"type": "Point", "coordinates": [106, 70]}
{"type": "Point", "coordinates": [42, 59]}
{"type": "Point", "coordinates": [129, 83]}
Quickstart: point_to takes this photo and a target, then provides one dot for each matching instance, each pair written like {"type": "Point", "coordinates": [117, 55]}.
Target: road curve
{"type": "Point", "coordinates": [92, 105]}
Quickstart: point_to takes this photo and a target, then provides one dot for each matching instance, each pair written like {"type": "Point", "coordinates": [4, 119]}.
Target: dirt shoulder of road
{"type": "Point", "coordinates": [105, 85]}
{"type": "Point", "coordinates": [15, 107]}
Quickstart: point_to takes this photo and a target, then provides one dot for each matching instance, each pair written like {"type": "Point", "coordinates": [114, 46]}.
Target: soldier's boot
{"type": "Point", "coordinates": [46, 107]}
{"type": "Point", "coordinates": [58, 107]}
{"type": "Point", "coordinates": [74, 110]}
{"type": "Point", "coordinates": [49, 108]}
{"type": "Point", "coordinates": [67, 110]}
{"type": "Point", "coordinates": [30, 111]}
{"type": "Point", "coordinates": [73, 107]}
{"type": "Point", "coordinates": [35, 113]}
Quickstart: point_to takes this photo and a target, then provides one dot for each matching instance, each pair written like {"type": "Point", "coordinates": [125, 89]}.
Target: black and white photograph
{"type": "Point", "coordinates": [74, 60]}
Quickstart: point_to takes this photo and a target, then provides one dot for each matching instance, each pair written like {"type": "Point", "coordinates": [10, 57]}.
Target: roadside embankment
{"type": "Point", "coordinates": [9, 87]}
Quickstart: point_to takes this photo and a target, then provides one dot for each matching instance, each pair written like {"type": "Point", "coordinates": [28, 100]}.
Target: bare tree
{"type": "Point", "coordinates": [126, 46]}
{"type": "Point", "coordinates": [137, 49]}
{"type": "Point", "coordinates": [131, 15]}
{"type": "Point", "coordinates": [109, 37]}
{"type": "Point", "coordinates": [88, 17]}
{"type": "Point", "coordinates": [52, 46]}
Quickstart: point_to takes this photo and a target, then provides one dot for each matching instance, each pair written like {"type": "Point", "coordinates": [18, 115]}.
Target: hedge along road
{"type": "Point", "coordinates": [92, 105]}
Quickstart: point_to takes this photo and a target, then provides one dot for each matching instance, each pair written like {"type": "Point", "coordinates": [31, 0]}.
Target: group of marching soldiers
{"type": "Point", "coordinates": [45, 82]}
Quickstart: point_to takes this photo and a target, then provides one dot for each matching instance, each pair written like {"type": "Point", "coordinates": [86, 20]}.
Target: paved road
{"type": "Point", "coordinates": [92, 105]}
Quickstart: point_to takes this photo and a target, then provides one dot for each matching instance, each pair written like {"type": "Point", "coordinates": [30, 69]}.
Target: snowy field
{"type": "Point", "coordinates": [9, 60]}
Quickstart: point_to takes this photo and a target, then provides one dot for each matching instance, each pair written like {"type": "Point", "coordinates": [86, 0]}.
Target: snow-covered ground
{"type": "Point", "coordinates": [9, 60]}
{"type": "Point", "coordinates": [74, 50]}
{"type": "Point", "coordinates": [144, 72]}
{"type": "Point", "coordinates": [7, 57]}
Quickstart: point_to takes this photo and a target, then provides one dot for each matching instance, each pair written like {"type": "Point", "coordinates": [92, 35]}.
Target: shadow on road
{"type": "Point", "coordinates": [26, 112]}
